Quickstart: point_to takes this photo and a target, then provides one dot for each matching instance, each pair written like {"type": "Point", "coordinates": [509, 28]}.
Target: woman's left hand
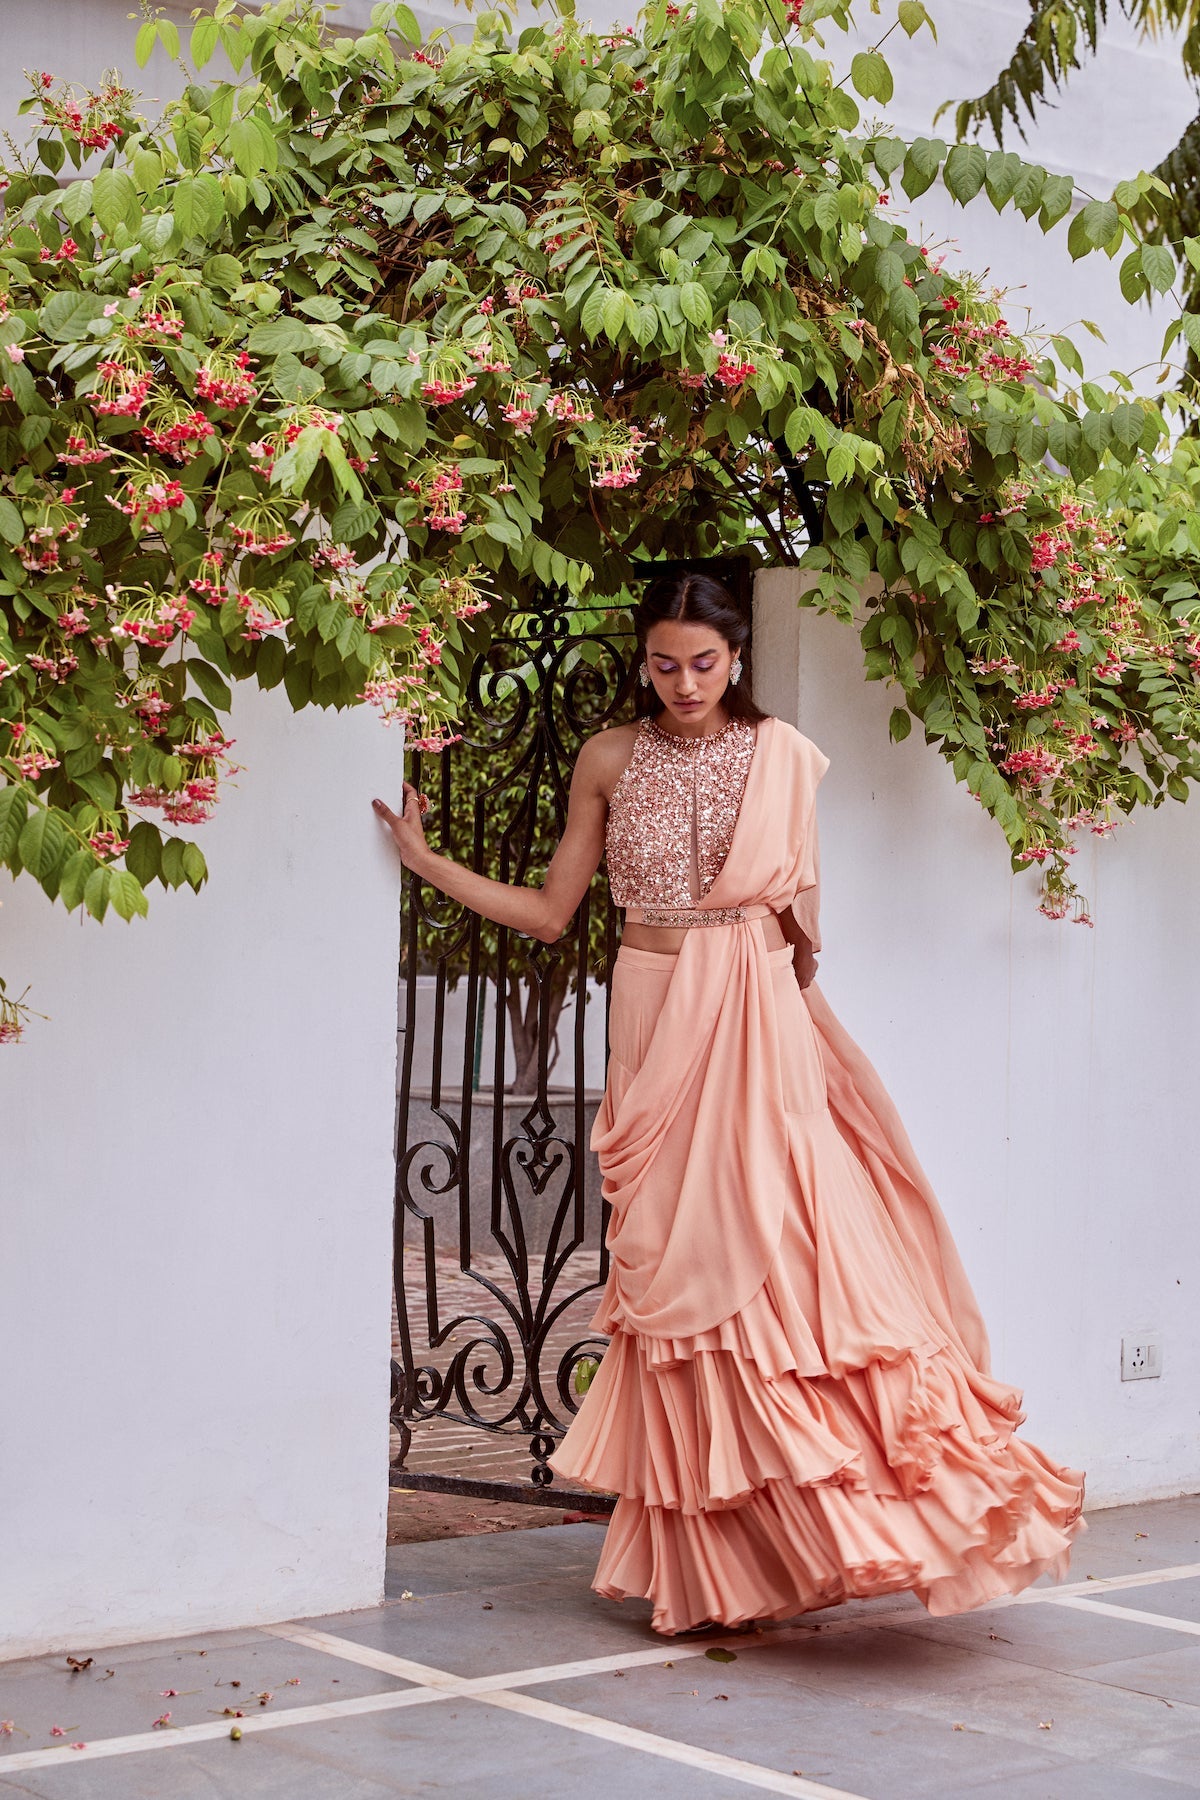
{"type": "Point", "coordinates": [405, 826]}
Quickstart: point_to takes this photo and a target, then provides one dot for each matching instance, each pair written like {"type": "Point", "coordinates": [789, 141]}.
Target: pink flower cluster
{"type": "Point", "coordinates": [158, 625]}
{"type": "Point", "coordinates": [123, 389]}
{"type": "Point", "coordinates": [59, 668]}
{"type": "Point", "coordinates": [107, 844]}
{"type": "Point", "coordinates": [180, 439]}
{"type": "Point", "coordinates": [335, 556]}
{"type": "Point", "coordinates": [146, 500]}
{"type": "Point", "coordinates": [80, 452]}
{"type": "Point", "coordinates": [440, 492]}
{"type": "Point", "coordinates": [93, 122]}
{"type": "Point", "coordinates": [226, 383]}
{"type": "Point", "coordinates": [519, 410]}
{"type": "Point", "coordinates": [1032, 766]}
{"type": "Point", "coordinates": [445, 393]}
{"type": "Point", "coordinates": [33, 763]}
{"type": "Point", "coordinates": [733, 365]}
{"type": "Point", "coordinates": [208, 583]}
{"type": "Point", "coordinates": [569, 408]}
{"type": "Point", "coordinates": [250, 539]}
{"type": "Point", "coordinates": [617, 459]}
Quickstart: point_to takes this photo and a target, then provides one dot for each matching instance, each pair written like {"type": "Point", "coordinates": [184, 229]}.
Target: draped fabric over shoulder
{"type": "Point", "coordinates": [796, 1407]}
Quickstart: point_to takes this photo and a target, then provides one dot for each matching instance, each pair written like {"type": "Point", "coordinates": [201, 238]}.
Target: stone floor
{"type": "Point", "coordinates": [492, 1671]}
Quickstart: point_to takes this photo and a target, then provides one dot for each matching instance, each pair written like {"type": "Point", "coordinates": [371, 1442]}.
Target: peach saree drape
{"type": "Point", "coordinates": [796, 1407]}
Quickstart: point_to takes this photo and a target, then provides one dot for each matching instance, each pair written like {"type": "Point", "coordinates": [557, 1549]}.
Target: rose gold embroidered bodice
{"type": "Point", "coordinates": [672, 814]}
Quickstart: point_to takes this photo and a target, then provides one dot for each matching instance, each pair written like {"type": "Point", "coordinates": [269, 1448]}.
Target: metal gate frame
{"type": "Point", "coordinates": [545, 682]}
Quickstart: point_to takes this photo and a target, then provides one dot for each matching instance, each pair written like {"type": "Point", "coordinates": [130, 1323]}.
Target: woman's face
{"type": "Point", "coordinates": [689, 667]}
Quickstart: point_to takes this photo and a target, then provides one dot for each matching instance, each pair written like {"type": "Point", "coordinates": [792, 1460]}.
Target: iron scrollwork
{"type": "Point", "coordinates": [499, 1249]}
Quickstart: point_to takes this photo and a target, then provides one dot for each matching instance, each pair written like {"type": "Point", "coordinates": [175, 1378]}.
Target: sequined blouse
{"type": "Point", "coordinates": [672, 792]}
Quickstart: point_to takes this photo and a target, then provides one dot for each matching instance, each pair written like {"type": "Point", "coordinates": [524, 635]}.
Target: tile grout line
{"type": "Point", "coordinates": [61, 1756]}
{"type": "Point", "coordinates": [1102, 1584]}
{"type": "Point", "coordinates": [712, 1762]}
{"type": "Point", "coordinates": [1077, 1602]}
{"type": "Point", "coordinates": [432, 1685]}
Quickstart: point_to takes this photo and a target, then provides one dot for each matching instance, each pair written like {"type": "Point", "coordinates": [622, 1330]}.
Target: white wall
{"type": "Point", "coordinates": [195, 1222]}
{"type": "Point", "coordinates": [1045, 1071]}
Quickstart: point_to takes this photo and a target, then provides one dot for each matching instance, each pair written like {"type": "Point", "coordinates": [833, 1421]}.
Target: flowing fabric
{"type": "Point", "coordinates": [796, 1407]}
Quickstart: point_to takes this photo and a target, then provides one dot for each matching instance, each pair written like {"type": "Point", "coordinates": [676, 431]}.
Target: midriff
{"type": "Point", "coordinates": [669, 938]}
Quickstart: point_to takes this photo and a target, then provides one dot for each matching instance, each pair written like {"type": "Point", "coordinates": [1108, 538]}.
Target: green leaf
{"type": "Point", "coordinates": [1092, 228]}
{"type": "Point", "coordinates": [278, 335]}
{"type": "Point", "coordinates": [1058, 191]}
{"type": "Point", "coordinates": [204, 41]}
{"type": "Point", "coordinates": [719, 1654]}
{"type": "Point", "coordinates": [144, 855]}
{"type": "Point", "coordinates": [125, 894]}
{"type": "Point", "coordinates": [921, 165]}
{"type": "Point", "coordinates": [695, 304]}
{"type": "Point", "coordinates": [223, 272]}
{"type": "Point", "coordinates": [246, 148]}
{"type": "Point", "coordinates": [42, 842]}
{"type": "Point", "coordinates": [75, 876]}
{"type": "Point", "coordinates": [115, 200]}
{"type": "Point", "coordinates": [144, 42]}
{"type": "Point", "coordinates": [966, 171]}
{"type": "Point", "coordinates": [1134, 285]}
{"type": "Point", "coordinates": [95, 894]}
{"type": "Point", "coordinates": [1158, 266]}
{"type": "Point", "coordinates": [13, 808]}
{"type": "Point", "coordinates": [900, 724]}
{"type": "Point", "coordinates": [195, 868]}
{"type": "Point", "coordinates": [353, 521]}
{"type": "Point", "coordinates": [912, 15]}
{"type": "Point", "coordinates": [213, 686]}
{"type": "Point", "coordinates": [68, 316]}
{"type": "Point", "coordinates": [12, 526]}
{"type": "Point", "coordinates": [871, 76]}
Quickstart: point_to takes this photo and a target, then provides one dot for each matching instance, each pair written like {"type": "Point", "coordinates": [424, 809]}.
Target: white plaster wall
{"type": "Point", "coordinates": [1045, 1071]}
{"type": "Point", "coordinates": [195, 1218]}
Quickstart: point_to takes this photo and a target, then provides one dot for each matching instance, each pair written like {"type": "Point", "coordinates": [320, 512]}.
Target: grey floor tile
{"type": "Point", "coordinates": [1178, 1761]}
{"type": "Point", "coordinates": [491, 1631]}
{"type": "Point", "coordinates": [1082, 1781]}
{"type": "Point", "coordinates": [92, 1705]}
{"type": "Point", "coordinates": [449, 1750]}
{"type": "Point", "coordinates": [862, 1747]}
{"type": "Point", "coordinates": [1153, 1534]}
{"type": "Point", "coordinates": [505, 1558]}
{"type": "Point", "coordinates": [1171, 1674]}
{"type": "Point", "coordinates": [1049, 1637]}
{"type": "Point", "coordinates": [1176, 1599]}
{"type": "Point", "coordinates": [905, 1673]}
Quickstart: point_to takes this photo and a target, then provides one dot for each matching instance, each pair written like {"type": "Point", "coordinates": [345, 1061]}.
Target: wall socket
{"type": "Point", "coordinates": [1141, 1358]}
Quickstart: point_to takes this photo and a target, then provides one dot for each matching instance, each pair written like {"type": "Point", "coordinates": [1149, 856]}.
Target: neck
{"type": "Point", "coordinates": [708, 726]}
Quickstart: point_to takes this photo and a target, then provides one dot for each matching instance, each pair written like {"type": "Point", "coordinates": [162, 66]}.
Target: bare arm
{"type": "Point", "coordinates": [543, 912]}
{"type": "Point", "coordinates": [803, 960]}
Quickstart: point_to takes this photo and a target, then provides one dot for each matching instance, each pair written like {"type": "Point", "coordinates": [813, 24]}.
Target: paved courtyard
{"type": "Point", "coordinates": [491, 1670]}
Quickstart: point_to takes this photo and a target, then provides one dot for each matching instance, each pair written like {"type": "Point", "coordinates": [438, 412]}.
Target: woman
{"type": "Point", "coordinates": [795, 1408]}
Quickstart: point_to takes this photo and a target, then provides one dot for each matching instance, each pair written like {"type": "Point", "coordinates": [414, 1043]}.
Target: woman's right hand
{"type": "Point", "coordinates": [405, 827]}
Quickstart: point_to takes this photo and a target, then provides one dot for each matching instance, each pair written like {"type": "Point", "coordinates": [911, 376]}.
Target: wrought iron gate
{"type": "Point", "coordinates": [499, 1248]}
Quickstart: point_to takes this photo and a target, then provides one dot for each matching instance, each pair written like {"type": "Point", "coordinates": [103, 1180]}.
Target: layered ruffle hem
{"type": "Point", "coordinates": [835, 1437]}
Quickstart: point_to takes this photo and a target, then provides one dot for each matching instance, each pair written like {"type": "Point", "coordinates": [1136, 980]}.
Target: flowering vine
{"type": "Point", "coordinates": [306, 380]}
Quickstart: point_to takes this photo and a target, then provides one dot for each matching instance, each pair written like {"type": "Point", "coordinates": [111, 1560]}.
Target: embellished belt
{"type": "Point", "coordinates": [694, 915]}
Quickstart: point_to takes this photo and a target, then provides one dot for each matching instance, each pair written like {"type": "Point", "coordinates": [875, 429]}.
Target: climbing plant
{"type": "Point", "coordinates": [362, 339]}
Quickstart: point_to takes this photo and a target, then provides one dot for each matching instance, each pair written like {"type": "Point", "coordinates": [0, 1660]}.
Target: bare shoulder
{"type": "Point", "coordinates": [604, 755]}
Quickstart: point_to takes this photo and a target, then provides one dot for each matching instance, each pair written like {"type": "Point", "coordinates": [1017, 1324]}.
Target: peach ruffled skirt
{"type": "Point", "coordinates": [832, 1439]}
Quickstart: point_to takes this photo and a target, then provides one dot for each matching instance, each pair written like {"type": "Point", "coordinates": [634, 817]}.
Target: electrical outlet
{"type": "Point", "coordinates": [1141, 1358]}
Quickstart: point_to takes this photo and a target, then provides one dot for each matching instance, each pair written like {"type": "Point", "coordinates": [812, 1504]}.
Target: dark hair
{"type": "Point", "coordinates": [695, 599]}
